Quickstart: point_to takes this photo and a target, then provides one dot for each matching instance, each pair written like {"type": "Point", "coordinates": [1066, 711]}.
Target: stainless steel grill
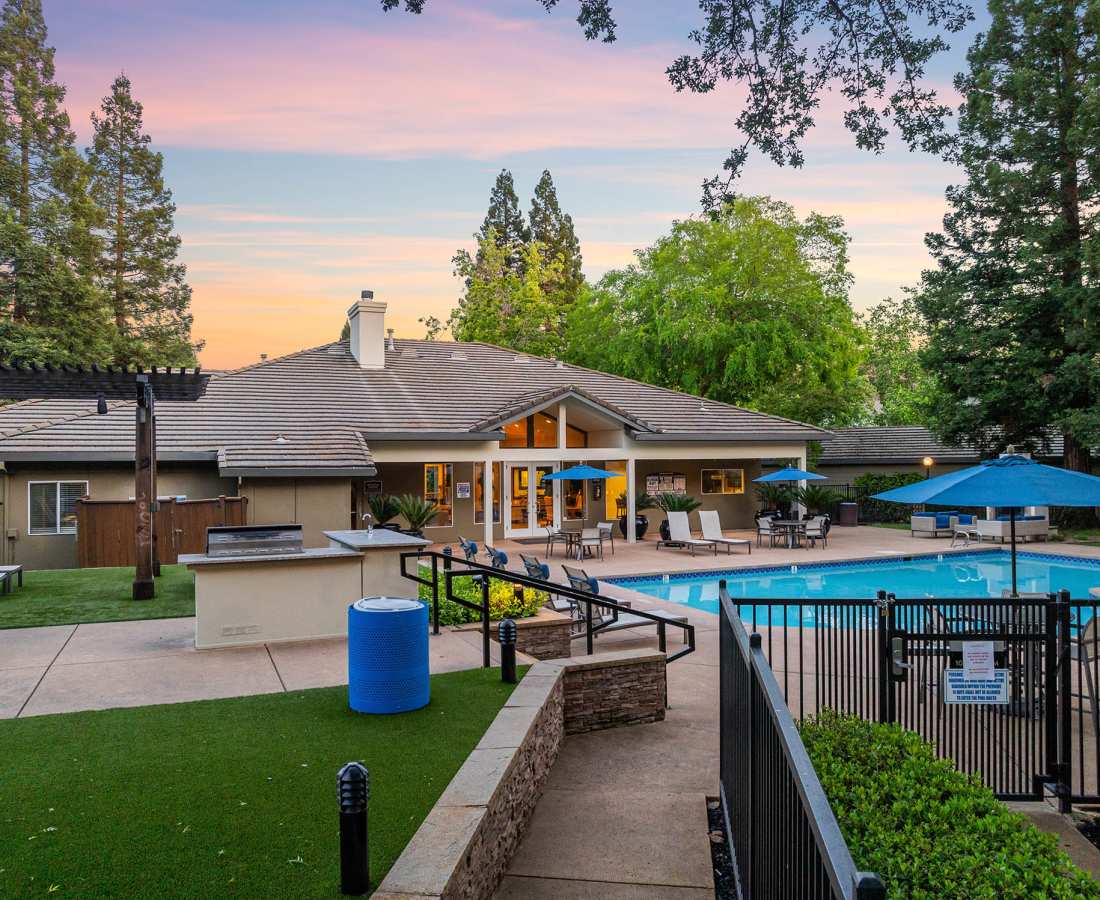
{"type": "Point", "coordinates": [253, 540]}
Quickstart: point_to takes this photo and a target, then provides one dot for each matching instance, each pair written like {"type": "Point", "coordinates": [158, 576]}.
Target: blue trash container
{"type": "Point", "coordinates": [387, 655]}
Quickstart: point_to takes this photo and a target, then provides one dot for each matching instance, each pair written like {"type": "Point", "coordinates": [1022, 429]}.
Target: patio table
{"type": "Point", "coordinates": [792, 528]}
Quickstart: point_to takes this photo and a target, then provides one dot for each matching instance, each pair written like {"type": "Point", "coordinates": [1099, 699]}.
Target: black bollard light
{"type": "Point", "coordinates": [508, 633]}
{"type": "Point", "coordinates": [353, 792]}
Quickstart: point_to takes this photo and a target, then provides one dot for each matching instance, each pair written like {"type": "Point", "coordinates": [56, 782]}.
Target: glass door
{"type": "Point", "coordinates": [531, 502]}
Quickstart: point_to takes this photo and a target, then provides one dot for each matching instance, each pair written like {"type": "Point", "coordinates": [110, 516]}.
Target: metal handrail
{"type": "Point", "coordinates": [831, 849]}
{"type": "Point", "coordinates": [485, 573]}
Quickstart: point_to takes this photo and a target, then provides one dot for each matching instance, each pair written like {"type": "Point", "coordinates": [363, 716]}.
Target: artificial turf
{"type": "Point", "coordinates": [222, 798]}
{"type": "Point", "coordinates": [70, 596]}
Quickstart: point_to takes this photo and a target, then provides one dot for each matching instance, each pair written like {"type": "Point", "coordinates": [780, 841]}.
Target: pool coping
{"type": "Point", "coordinates": [623, 581]}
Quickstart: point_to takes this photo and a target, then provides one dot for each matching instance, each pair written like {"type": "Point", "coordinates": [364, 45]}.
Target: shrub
{"type": "Point", "coordinates": [383, 507]}
{"type": "Point", "coordinates": [875, 483]}
{"type": "Point", "coordinates": [926, 829]}
{"type": "Point", "coordinates": [417, 511]}
{"type": "Point", "coordinates": [503, 603]}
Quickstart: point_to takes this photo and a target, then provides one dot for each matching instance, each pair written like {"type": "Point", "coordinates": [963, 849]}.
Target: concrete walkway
{"type": "Point", "coordinates": [66, 668]}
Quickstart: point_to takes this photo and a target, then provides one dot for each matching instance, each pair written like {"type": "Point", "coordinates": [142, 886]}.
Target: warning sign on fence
{"type": "Point", "coordinates": [958, 688]}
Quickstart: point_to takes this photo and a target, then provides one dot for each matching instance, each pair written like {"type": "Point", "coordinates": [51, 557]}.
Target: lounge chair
{"type": "Point", "coordinates": [680, 535]}
{"type": "Point", "coordinates": [498, 559]}
{"type": "Point", "coordinates": [564, 605]}
{"type": "Point", "coordinates": [712, 531]}
{"type": "Point", "coordinates": [604, 619]}
{"type": "Point", "coordinates": [469, 548]}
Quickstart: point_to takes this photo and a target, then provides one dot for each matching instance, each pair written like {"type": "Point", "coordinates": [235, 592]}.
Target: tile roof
{"type": "Point", "coordinates": [901, 444]}
{"type": "Point", "coordinates": [317, 410]}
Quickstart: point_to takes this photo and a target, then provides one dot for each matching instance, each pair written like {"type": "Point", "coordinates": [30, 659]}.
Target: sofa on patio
{"type": "Point", "coordinates": [1027, 527]}
{"type": "Point", "coordinates": [933, 524]}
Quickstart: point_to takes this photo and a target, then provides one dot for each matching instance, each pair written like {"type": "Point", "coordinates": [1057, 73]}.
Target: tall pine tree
{"type": "Point", "coordinates": [52, 312]}
{"type": "Point", "coordinates": [1013, 306]}
{"type": "Point", "coordinates": [554, 230]}
{"type": "Point", "coordinates": [138, 267]}
{"type": "Point", "coordinates": [504, 221]}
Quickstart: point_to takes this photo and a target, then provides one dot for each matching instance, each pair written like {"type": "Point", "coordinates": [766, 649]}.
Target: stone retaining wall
{"type": "Point", "coordinates": [464, 846]}
{"type": "Point", "coordinates": [547, 636]}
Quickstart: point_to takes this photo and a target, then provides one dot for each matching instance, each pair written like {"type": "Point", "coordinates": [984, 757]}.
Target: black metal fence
{"type": "Point", "coordinates": [783, 834]}
{"type": "Point", "coordinates": [439, 572]}
{"type": "Point", "coordinates": [895, 660]}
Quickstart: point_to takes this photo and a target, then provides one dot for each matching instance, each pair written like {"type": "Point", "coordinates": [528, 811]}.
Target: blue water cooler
{"type": "Point", "coordinates": [387, 655]}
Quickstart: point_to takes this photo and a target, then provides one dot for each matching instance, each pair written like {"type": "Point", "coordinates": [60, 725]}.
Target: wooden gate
{"type": "Point", "coordinates": [105, 528]}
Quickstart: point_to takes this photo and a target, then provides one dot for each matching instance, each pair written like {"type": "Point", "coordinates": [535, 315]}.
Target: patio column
{"type": "Point", "coordinates": [800, 510]}
{"type": "Point", "coordinates": [487, 498]}
{"type": "Point", "coordinates": [562, 438]}
{"type": "Point", "coordinates": [631, 507]}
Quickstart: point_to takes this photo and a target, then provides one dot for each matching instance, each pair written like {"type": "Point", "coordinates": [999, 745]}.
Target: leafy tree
{"type": "Point", "coordinates": [749, 307]}
{"type": "Point", "coordinates": [554, 230]}
{"type": "Point", "coordinates": [1013, 305]}
{"type": "Point", "coordinates": [138, 267]}
{"type": "Point", "coordinates": [508, 307]}
{"type": "Point", "coordinates": [903, 387]}
{"type": "Point", "coordinates": [42, 178]}
{"type": "Point", "coordinates": [786, 54]}
{"type": "Point", "coordinates": [504, 221]}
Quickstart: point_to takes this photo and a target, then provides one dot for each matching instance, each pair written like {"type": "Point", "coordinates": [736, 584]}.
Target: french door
{"type": "Point", "coordinates": [530, 503]}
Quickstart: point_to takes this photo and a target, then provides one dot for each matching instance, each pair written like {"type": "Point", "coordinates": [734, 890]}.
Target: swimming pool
{"type": "Point", "coordinates": [982, 573]}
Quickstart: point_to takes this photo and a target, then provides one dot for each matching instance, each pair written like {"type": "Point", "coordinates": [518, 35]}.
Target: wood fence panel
{"type": "Point", "coordinates": [105, 528]}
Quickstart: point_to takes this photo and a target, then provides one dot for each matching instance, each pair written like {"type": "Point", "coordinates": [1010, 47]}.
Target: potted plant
{"type": "Point", "coordinates": [384, 508]}
{"type": "Point", "coordinates": [775, 497]}
{"type": "Point", "coordinates": [641, 523]}
{"type": "Point", "coordinates": [674, 503]}
{"type": "Point", "coordinates": [417, 512]}
{"type": "Point", "coordinates": [817, 498]}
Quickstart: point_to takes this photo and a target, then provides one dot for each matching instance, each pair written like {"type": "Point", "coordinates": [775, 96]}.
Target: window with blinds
{"type": "Point", "coordinates": [51, 506]}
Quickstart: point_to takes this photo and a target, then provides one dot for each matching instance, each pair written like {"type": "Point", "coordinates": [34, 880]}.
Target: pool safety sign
{"type": "Point", "coordinates": [958, 688]}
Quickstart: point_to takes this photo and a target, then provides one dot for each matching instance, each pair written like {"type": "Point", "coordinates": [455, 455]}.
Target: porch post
{"type": "Point", "coordinates": [487, 498]}
{"type": "Point", "coordinates": [562, 438]}
{"type": "Point", "coordinates": [631, 507]}
{"type": "Point", "coordinates": [801, 510]}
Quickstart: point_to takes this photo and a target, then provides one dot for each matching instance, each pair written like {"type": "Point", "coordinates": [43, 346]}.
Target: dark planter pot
{"type": "Point", "coordinates": [412, 532]}
{"type": "Point", "coordinates": [641, 526]}
{"type": "Point", "coordinates": [666, 533]}
{"type": "Point", "coordinates": [389, 526]}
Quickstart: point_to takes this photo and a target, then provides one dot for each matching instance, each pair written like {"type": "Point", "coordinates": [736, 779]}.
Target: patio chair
{"type": "Point", "coordinates": [556, 536]}
{"type": "Point", "coordinates": [765, 529]}
{"type": "Point", "coordinates": [498, 559]}
{"type": "Point", "coordinates": [469, 548]}
{"type": "Point", "coordinates": [712, 531]}
{"type": "Point", "coordinates": [565, 605]}
{"type": "Point", "coordinates": [591, 543]}
{"type": "Point", "coordinates": [817, 529]}
{"type": "Point", "coordinates": [607, 532]}
{"type": "Point", "coordinates": [680, 534]}
{"type": "Point", "coordinates": [605, 619]}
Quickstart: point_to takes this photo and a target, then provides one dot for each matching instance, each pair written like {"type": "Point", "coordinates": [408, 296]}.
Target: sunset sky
{"type": "Point", "coordinates": [318, 148]}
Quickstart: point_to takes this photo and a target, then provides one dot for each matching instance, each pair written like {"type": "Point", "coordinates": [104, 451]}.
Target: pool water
{"type": "Point", "coordinates": [966, 575]}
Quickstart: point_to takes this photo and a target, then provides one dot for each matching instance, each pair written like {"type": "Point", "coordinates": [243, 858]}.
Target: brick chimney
{"type": "Point", "coordinates": [367, 319]}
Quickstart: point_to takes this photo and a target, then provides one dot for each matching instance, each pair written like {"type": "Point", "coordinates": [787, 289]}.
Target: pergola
{"type": "Point", "coordinates": [143, 386]}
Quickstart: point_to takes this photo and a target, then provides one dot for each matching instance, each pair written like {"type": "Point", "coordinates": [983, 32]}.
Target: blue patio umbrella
{"type": "Point", "coordinates": [789, 474]}
{"type": "Point", "coordinates": [1010, 482]}
{"type": "Point", "coordinates": [579, 473]}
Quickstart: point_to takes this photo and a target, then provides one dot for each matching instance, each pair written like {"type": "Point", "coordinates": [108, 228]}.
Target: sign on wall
{"type": "Point", "coordinates": [666, 483]}
{"type": "Point", "coordinates": [462, 490]}
{"type": "Point", "coordinates": [958, 688]}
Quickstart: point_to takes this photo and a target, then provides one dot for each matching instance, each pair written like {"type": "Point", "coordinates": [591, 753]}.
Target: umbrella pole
{"type": "Point", "coordinates": [1012, 533]}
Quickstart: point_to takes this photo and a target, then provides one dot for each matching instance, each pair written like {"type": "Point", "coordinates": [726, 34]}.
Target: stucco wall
{"type": "Point", "coordinates": [734, 510]}
{"type": "Point", "coordinates": [848, 474]}
{"type": "Point", "coordinates": [318, 504]}
{"type": "Point", "coordinates": [105, 482]}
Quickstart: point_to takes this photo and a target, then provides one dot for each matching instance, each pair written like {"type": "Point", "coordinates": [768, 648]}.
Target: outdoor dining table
{"type": "Point", "coordinates": [792, 528]}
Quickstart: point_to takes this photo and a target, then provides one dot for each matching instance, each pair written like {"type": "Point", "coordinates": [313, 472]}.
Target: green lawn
{"type": "Point", "coordinates": [901, 526]}
{"type": "Point", "coordinates": [69, 596]}
{"type": "Point", "coordinates": [222, 798]}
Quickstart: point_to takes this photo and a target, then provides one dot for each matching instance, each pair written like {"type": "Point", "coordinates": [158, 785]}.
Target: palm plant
{"type": "Point", "coordinates": [383, 507]}
{"type": "Point", "coordinates": [676, 503]}
{"type": "Point", "coordinates": [774, 495]}
{"type": "Point", "coordinates": [816, 498]}
{"type": "Point", "coordinates": [417, 511]}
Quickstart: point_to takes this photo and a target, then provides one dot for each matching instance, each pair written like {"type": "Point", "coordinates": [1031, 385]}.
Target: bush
{"type": "Point", "coordinates": [875, 483]}
{"type": "Point", "coordinates": [503, 603]}
{"type": "Point", "coordinates": [926, 829]}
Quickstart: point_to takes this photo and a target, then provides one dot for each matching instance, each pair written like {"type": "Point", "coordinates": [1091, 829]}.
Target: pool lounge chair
{"type": "Point", "coordinates": [604, 619]}
{"type": "Point", "coordinates": [567, 606]}
{"type": "Point", "coordinates": [712, 531]}
{"type": "Point", "coordinates": [680, 535]}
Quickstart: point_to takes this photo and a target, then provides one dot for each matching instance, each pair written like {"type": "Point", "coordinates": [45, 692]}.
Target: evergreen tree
{"type": "Point", "coordinates": [1013, 305]}
{"type": "Point", "coordinates": [505, 221]}
{"type": "Point", "coordinates": [138, 267]}
{"type": "Point", "coordinates": [42, 178]}
{"type": "Point", "coordinates": [554, 230]}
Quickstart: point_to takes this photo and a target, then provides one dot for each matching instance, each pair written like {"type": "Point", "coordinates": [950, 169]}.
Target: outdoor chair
{"type": "Point", "coordinates": [765, 529]}
{"type": "Point", "coordinates": [607, 533]}
{"type": "Point", "coordinates": [604, 619]}
{"type": "Point", "coordinates": [555, 536]}
{"type": "Point", "coordinates": [498, 559]}
{"type": "Point", "coordinates": [564, 605]}
{"type": "Point", "coordinates": [817, 529]}
{"type": "Point", "coordinates": [469, 548]}
{"type": "Point", "coordinates": [712, 531]}
{"type": "Point", "coordinates": [680, 535]}
{"type": "Point", "coordinates": [591, 543]}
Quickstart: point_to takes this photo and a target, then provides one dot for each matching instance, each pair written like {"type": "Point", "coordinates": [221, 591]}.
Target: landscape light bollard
{"type": "Point", "coordinates": [508, 634]}
{"type": "Point", "coordinates": [353, 792]}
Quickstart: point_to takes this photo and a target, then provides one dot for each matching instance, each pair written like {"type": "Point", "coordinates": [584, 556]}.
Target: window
{"type": "Point", "coordinates": [723, 481]}
{"type": "Point", "coordinates": [51, 506]}
{"type": "Point", "coordinates": [540, 431]}
{"type": "Point", "coordinates": [515, 434]}
{"type": "Point", "coordinates": [439, 489]}
{"type": "Point", "coordinates": [479, 493]}
{"type": "Point", "coordinates": [572, 499]}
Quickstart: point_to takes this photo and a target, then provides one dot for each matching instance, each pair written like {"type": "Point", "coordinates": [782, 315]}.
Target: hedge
{"type": "Point", "coordinates": [875, 483]}
{"type": "Point", "coordinates": [926, 829]}
{"type": "Point", "coordinates": [503, 603]}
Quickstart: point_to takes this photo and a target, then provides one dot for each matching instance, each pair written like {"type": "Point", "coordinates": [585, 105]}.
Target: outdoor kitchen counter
{"type": "Point", "coordinates": [309, 553]}
{"type": "Point", "coordinates": [380, 539]}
